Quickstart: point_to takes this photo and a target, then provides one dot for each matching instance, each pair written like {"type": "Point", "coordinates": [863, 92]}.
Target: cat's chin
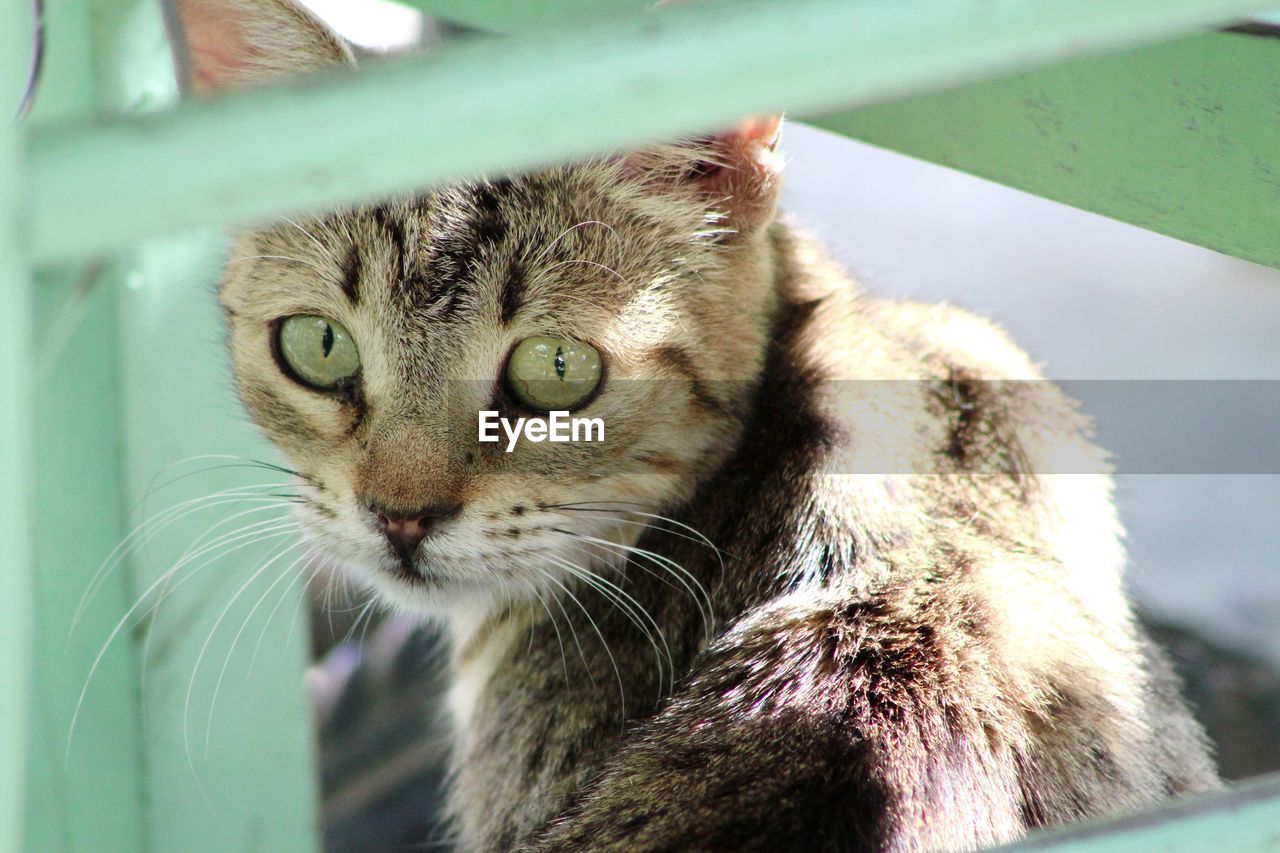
{"type": "Point", "coordinates": [423, 590]}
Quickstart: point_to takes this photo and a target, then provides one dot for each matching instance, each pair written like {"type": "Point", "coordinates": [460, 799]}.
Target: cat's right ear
{"type": "Point", "coordinates": [224, 44]}
{"type": "Point", "coordinates": [736, 172]}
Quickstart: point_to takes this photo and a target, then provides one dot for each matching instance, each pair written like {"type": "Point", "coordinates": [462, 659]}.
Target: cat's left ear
{"type": "Point", "coordinates": [224, 44]}
{"type": "Point", "coordinates": [746, 171]}
{"type": "Point", "coordinates": [737, 172]}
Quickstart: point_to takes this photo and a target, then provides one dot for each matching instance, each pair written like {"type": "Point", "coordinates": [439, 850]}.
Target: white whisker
{"type": "Point", "coordinates": [313, 266]}
{"type": "Point", "coordinates": [595, 264]}
{"type": "Point", "coordinates": [634, 612]}
{"type": "Point", "coordinates": [204, 648]}
{"type": "Point", "coordinates": [127, 618]}
{"type": "Point", "coordinates": [566, 232]}
{"type": "Point", "coordinates": [284, 596]}
{"type": "Point", "coordinates": [573, 632]}
{"type": "Point", "coordinates": [314, 240]}
{"type": "Point", "coordinates": [148, 529]}
{"type": "Point", "coordinates": [622, 696]}
{"type": "Point", "coordinates": [679, 572]}
{"type": "Point", "coordinates": [560, 640]}
{"type": "Point", "coordinates": [235, 641]}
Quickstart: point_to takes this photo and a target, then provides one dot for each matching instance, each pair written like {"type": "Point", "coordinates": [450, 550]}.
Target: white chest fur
{"type": "Point", "coordinates": [479, 648]}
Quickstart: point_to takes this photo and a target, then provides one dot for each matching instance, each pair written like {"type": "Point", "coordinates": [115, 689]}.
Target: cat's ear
{"type": "Point", "coordinates": [737, 172]}
{"type": "Point", "coordinates": [223, 44]}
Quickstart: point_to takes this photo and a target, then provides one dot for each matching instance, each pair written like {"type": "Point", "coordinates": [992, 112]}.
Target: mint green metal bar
{"type": "Point", "coordinates": [82, 791]}
{"type": "Point", "coordinates": [79, 793]}
{"type": "Point", "coordinates": [1181, 138]}
{"type": "Point", "coordinates": [523, 102]}
{"type": "Point", "coordinates": [1243, 819]}
{"type": "Point", "coordinates": [513, 16]}
{"type": "Point", "coordinates": [230, 768]}
{"type": "Point", "coordinates": [1199, 161]}
{"type": "Point", "coordinates": [116, 396]}
{"type": "Point", "coordinates": [229, 738]}
{"type": "Point", "coordinates": [16, 475]}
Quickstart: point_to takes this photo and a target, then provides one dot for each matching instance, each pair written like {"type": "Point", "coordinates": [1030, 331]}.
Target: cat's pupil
{"type": "Point", "coordinates": [327, 342]}
{"type": "Point", "coordinates": [560, 362]}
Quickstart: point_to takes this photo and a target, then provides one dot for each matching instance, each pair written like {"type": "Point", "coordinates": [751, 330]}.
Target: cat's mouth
{"type": "Point", "coordinates": [406, 573]}
{"type": "Point", "coordinates": [416, 574]}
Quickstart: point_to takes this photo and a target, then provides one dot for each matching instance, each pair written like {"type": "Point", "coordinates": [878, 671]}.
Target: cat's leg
{"type": "Point", "coordinates": [817, 723]}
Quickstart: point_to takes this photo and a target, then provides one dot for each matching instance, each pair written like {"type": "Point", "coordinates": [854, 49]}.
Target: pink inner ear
{"type": "Point", "coordinates": [745, 170]}
{"type": "Point", "coordinates": [747, 146]}
{"type": "Point", "coordinates": [758, 132]}
{"type": "Point", "coordinates": [215, 46]}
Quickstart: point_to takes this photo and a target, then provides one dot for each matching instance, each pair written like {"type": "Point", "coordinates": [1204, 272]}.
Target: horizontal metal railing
{"type": "Point", "coordinates": [519, 102]}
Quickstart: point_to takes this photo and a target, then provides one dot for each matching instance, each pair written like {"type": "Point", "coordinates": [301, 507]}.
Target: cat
{"type": "Point", "coordinates": [819, 587]}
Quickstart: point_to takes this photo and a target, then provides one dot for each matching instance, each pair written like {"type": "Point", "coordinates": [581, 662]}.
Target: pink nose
{"type": "Point", "coordinates": [405, 531]}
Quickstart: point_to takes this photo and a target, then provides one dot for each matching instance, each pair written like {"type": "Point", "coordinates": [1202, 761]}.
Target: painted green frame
{"type": "Point", "coordinates": [108, 403]}
{"type": "Point", "coordinates": [1170, 131]}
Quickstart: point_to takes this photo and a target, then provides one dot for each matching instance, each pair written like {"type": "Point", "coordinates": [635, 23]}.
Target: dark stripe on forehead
{"type": "Point", "coordinates": [461, 229]}
{"type": "Point", "coordinates": [489, 225]}
{"type": "Point", "coordinates": [512, 291]}
{"type": "Point", "coordinates": [448, 261]}
{"type": "Point", "coordinates": [394, 229]}
{"type": "Point", "coordinates": [351, 275]}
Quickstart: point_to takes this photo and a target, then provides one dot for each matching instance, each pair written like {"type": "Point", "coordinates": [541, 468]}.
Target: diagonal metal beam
{"type": "Point", "coordinates": [514, 16]}
{"type": "Point", "coordinates": [1182, 137]}
{"type": "Point", "coordinates": [523, 102]}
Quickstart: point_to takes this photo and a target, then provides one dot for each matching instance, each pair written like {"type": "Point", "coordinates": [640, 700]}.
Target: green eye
{"type": "Point", "coordinates": [553, 374]}
{"type": "Point", "coordinates": [318, 352]}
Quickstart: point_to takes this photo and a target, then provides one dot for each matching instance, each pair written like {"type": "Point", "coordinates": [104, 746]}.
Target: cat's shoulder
{"type": "Point", "coordinates": [916, 387]}
{"type": "Point", "coordinates": [865, 335]}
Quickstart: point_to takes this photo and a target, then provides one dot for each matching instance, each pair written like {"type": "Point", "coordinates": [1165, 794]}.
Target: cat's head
{"type": "Point", "coordinates": [635, 289]}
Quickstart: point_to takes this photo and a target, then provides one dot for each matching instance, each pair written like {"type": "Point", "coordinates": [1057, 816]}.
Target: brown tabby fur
{"type": "Point", "coordinates": [912, 635]}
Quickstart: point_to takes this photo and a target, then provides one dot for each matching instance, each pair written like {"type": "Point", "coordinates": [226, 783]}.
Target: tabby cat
{"type": "Point", "coordinates": [820, 586]}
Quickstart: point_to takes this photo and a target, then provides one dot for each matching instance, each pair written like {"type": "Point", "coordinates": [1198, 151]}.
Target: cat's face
{"type": "Point", "coordinates": [366, 343]}
{"type": "Point", "coordinates": [434, 294]}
